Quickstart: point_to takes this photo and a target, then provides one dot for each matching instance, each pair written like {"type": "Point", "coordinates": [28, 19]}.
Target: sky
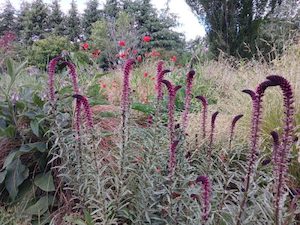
{"type": "Point", "coordinates": [189, 24]}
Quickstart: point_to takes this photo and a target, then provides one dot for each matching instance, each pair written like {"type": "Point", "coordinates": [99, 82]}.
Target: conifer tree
{"type": "Point", "coordinates": [35, 22]}
{"type": "Point", "coordinates": [73, 23]}
{"type": "Point", "coordinates": [7, 18]}
{"type": "Point", "coordinates": [91, 15]}
{"type": "Point", "coordinates": [56, 19]}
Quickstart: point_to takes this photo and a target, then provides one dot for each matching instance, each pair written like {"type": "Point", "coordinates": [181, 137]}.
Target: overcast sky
{"type": "Point", "coordinates": [189, 23]}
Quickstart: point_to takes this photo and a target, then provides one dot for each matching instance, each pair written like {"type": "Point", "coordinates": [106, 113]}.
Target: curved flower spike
{"type": "Point", "coordinates": [187, 101]}
{"type": "Point", "coordinates": [204, 113]}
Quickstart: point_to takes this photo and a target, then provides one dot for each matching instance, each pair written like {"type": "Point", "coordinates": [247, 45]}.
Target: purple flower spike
{"type": "Point", "coordinates": [204, 113]}
{"type": "Point", "coordinates": [73, 75]}
{"type": "Point", "coordinates": [171, 107]}
{"type": "Point", "coordinates": [254, 141]}
{"type": "Point", "coordinates": [233, 123]}
{"type": "Point", "coordinates": [51, 75]}
{"type": "Point", "coordinates": [276, 144]}
{"type": "Point", "coordinates": [87, 109]}
{"type": "Point", "coordinates": [282, 151]}
{"type": "Point", "coordinates": [125, 104]}
{"type": "Point", "coordinates": [212, 131]}
{"type": "Point", "coordinates": [206, 195]}
{"type": "Point", "coordinates": [172, 158]}
{"type": "Point", "coordinates": [187, 101]}
{"type": "Point", "coordinates": [251, 93]}
{"type": "Point", "coordinates": [78, 117]}
{"type": "Point", "coordinates": [159, 79]}
{"type": "Point", "coordinates": [126, 84]}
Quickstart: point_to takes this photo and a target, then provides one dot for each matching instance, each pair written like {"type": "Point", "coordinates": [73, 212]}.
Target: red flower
{"type": "Point", "coordinates": [103, 86]}
{"type": "Point", "coordinates": [123, 55]}
{"type": "Point", "coordinates": [155, 53]}
{"type": "Point", "coordinates": [134, 51]}
{"type": "Point", "coordinates": [85, 46]}
{"type": "Point", "coordinates": [139, 58]}
{"type": "Point", "coordinates": [145, 74]}
{"type": "Point", "coordinates": [122, 43]}
{"type": "Point", "coordinates": [174, 58]}
{"type": "Point", "coordinates": [96, 53]}
{"type": "Point", "coordinates": [147, 38]}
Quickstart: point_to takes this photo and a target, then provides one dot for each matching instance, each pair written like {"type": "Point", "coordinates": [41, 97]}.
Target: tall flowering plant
{"type": "Point", "coordinates": [204, 103]}
{"type": "Point", "coordinates": [188, 97]}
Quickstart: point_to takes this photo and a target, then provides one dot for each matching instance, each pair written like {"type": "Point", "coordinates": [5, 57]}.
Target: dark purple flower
{"type": "Point", "coordinates": [206, 195]}
{"type": "Point", "coordinates": [51, 76]}
{"type": "Point", "coordinates": [187, 101]}
{"type": "Point", "coordinates": [172, 158]}
{"type": "Point", "coordinates": [87, 109]}
{"type": "Point", "coordinates": [212, 131]}
{"type": "Point", "coordinates": [73, 75]}
{"type": "Point", "coordinates": [125, 104]}
{"type": "Point", "coordinates": [254, 141]}
{"type": "Point", "coordinates": [204, 114]}
{"type": "Point", "coordinates": [233, 123]}
{"type": "Point", "coordinates": [159, 79]}
{"type": "Point", "coordinates": [171, 106]}
{"type": "Point", "coordinates": [282, 152]}
{"type": "Point", "coordinates": [78, 117]}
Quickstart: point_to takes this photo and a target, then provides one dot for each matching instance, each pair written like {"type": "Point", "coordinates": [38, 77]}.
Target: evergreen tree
{"type": "Point", "coordinates": [35, 22]}
{"type": "Point", "coordinates": [159, 27]}
{"type": "Point", "coordinates": [111, 9]}
{"type": "Point", "coordinates": [91, 15]}
{"type": "Point", "coordinates": [7, 18]}
{"type": "Point", "coordinates": [233, 25]}
{"type": "Point", "coordinates": [73, 23]}
{"type": "Point", "coordinates": [56, 19]}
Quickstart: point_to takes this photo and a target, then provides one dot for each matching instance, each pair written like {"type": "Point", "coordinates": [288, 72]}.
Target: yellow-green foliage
{"type": "Point", "coordinates": [42, 51]}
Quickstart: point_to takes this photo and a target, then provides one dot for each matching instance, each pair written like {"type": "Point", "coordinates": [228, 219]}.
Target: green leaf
{"type": "Point", "coordinates": [9, 131]}
{"type": "Point", "coordinates": [40, 146]}
{"type": "Point", "coordinates": [45, 182]}
{"type": "Point", "coordinates": [20, 68]}
{"type": "Point", "coordinates": [34, 124]}
{"type": "Point", "coordinates": [41, 206]}
{"type": "Point", "coordinates": [2, 176]}
{"type": "Point", "coordinates": [93, 90]}
{"type": "Point", "coordinates": [88, 218]}
{"type": "Point", "coordinates": [143, 108]}
{"type": "Point", "coordinates": [10, 158]}
{"type": "Point", "coordinates": [16, 174]}
{"type": "Point", "coordinates": [10, 68]}
{"type": "Point", "coordinates": [37, 100]}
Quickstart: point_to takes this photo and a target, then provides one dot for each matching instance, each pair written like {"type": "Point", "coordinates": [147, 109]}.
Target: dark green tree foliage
{"type": "Point", "coordinates": [159, 27]}
{"type": "Point", "coordinates": [35, 22]}
{"type": "Point", "coordinates": [7, 18]}
{"type": "Point", "coordinates": [91, 15]}
{"type": "Point", "coordinates": [73, 29]}
{"type": "Point", "coordinates": [233, 26]}
{"type": "Point", "coordinates": [56, 19]}
{"type": "Point", "coordinates": [111, 9]}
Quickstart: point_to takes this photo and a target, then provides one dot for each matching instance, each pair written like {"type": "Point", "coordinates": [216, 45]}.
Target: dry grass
{"type": "Point", "coordinates": [230, 78]}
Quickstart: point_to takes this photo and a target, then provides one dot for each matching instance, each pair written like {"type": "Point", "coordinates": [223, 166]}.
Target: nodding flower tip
{"type": "Point", "coordinates": [77, 96]}
{"type": "Point", "coordinates": [264, 85]}
{"type": "Point", "coordinates": [237, 118]}
{"type": "Point", "coordinates": [275, 137]}
{"type": "Point", "coordinates": [276, 79]}
{"type": "Point", "coordinates": [167, 83]}
{"type": "Point", "coordinates": [214, 116]}
{"type": "Point", "coordinates": [251, 93]}
{"type": "Point", "coordinates": [176, 88]}
{"type": "Point", "coordinates": [202, 99]}
{"type": "Point", "coordinates": [166, 71]}
{"type": "Point", "coordinates": [191, 73]}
